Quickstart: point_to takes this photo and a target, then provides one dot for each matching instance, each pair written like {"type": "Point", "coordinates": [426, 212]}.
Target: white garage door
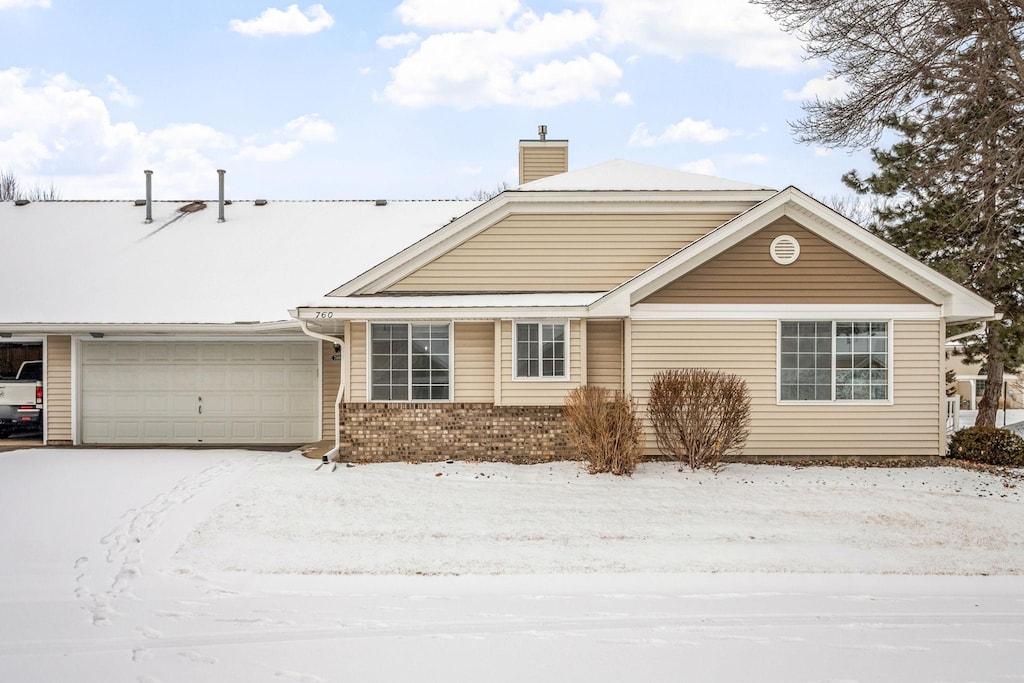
{"type": "Point", "coordinates": [199, 392]}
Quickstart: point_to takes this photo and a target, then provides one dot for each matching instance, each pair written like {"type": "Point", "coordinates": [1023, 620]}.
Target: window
{"type": "Point", "coordinates": [540, 350]}
{"type": "Point", "coordinates": [824, 360]}
{"type": "Point", "coordinates": [409, 362]}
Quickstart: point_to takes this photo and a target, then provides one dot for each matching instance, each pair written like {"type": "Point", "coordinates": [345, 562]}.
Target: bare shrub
{"type": "Point", "coordinates": [699, 415]}
{"type": "Point", "coordinates": [605, 428]}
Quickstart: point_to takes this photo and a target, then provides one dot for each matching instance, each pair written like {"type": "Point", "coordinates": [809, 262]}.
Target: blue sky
{"type": "Point", "coordinates": [402, 99]}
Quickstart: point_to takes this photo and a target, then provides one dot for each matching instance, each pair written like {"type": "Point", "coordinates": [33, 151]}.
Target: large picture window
{"type": "Point", "coordinates": [540, 350]}
{"type": "Point", "coordinates": [410, 362]}
{"type": "Point", "coordinates": [825, 360]}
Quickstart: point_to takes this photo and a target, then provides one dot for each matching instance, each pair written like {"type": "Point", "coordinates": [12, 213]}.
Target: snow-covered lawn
{"type": "Point", "coordinates": [177, 565]}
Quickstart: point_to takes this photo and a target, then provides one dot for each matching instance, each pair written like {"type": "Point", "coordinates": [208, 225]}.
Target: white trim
{"type": "Point", "coordinates": [958, 303]}
{"type": "Point", "coordinates": [410, 323]}
{"type": "Point", "coordinates": [420, 314]}
{"type": "Point", "coordinates": [567, 326]}
{"type": "Point", "coordinates": [857, 312]}
{"type": "Point", "coordinates": [890, 369]}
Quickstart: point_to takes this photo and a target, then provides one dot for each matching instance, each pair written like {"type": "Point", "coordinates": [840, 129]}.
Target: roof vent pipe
{"type": "Point", "coordinates": [220, 202]}
{"type": "Point", "coordinates": [149, 196]}
{"type": "Point", "coordinates": [542, 132]}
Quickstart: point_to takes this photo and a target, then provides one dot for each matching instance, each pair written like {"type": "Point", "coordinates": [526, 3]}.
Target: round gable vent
{"type": "Point", "coordinates": [784, 250]}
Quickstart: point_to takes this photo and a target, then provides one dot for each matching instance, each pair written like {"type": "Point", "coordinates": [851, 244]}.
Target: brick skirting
{"type": "Point", "coordinates": [390, 432]}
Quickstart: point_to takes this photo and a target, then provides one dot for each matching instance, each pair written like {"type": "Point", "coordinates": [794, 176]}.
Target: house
{"type": "Point", "coordinates": [449, 328]}
{"type": "Point", "coordinates": [176, 330]}
{"type": "Point", "coordinates": [970, 382]}
{"type": "Point", "coordinates": [467, 342]}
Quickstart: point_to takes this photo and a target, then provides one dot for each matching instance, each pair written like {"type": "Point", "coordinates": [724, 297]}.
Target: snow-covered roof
{"type": "Point", "coordinates": [99, 262]}
{"type": "Point", "coordinates": [622, 175]}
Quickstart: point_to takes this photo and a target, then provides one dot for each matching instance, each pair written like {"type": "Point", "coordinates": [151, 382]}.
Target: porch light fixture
{"type": "Point", "coordinates": [96, 335]}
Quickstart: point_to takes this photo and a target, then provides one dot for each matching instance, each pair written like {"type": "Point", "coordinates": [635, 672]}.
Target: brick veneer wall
{"type": "Point", "coordinates": [388, 432]}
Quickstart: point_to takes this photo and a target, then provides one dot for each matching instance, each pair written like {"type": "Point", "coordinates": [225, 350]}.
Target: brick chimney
{"type": "Point", "coordinates": [542, 157]}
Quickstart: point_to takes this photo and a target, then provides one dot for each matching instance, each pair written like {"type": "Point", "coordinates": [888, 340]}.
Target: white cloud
{"type": "Point", "coordinates": [310, 128]}
{"type": "Point", "coordinates": [275, 151]}
{"type": "Point", "coordinates": [290, 22]}
{"type": "Point", "coordinates": [822, 151]}
{"type": "Point", "coordinates": [389, 42]}
{"type": "Point", "coordinates": [686, 130]}
{"type": "Point", "coordinates": [733, 30]}
{"type": "Point", "coordinates": [52, 129]}
{"type": "Point", "coordinates": [623, 98]}
{"type": "Point", "coordinates": [702, 166]}
{"type": "Point", "coordinates": [457, 14]}
{"type": "Point", "coordinates": [823, 88]}
{"type": "Point", "coordinates": [119, 93]}
{"type": "Point", "coordinates": [23, 4]}
{"type": "Point", "coordinates": [513, 65]}
{"type": "Point", "coordinates": [365, 70]}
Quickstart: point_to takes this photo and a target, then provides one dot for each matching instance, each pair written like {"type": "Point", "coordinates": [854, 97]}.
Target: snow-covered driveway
{"type": "Point", "coordinates": [170, 565]}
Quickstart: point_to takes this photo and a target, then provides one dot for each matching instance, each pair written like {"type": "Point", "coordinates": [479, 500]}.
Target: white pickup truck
{"type": "Point", "coordinates": [21, 400]}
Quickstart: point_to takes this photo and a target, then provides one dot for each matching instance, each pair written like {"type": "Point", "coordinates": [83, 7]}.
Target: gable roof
{"type": "Point", "coordinates": [622, 175]}
{"type": "Point", "coordinates": [613, 186]}
{"type": "Point", "coordinates": [78, 262]}
{"type": "Point", "coordinates": [958, 303]}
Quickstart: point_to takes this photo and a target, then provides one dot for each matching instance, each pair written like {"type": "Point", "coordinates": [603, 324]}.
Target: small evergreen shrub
{"type": "Point", "coordinates": [988, 445]}
{"type": "Point", "coordinates": [605, 429]}
{"type": "Point", "coordinates": [699, 415]}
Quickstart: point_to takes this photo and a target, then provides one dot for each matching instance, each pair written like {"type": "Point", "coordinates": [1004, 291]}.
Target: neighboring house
{"type": "Point", "coordinates": [177, 331]}
{"type": "Point", "coordinates": [466, 343]}
{"type": "Point", "coordinates": [970, 383]}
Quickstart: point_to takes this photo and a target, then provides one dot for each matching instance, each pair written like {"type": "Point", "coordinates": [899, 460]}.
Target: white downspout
{"type": "Point", "coordinates": [340, 343]}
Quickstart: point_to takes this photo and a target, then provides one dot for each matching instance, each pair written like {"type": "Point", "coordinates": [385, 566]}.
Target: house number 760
{"type": "Point", "coordinates": [325, 314]}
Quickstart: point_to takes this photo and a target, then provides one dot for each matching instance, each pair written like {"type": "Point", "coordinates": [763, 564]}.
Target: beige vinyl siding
{"type": "Point", "coordinates": [746, 273]}
{"type": "Point", "coordinates": [604, 353]}
{"type": "Point", "coordinates": [912, 426]}
{"type": "Point", "coordinates": [58, 389]}
{"type": "Point", "coordinates": [357, 359]}
{"type": "Point", "coordinates": [474, 362]}
{"type": "Point", "coordinates": [537, 391]}
{"type": "Point", "coordinates": [330, 379]}
{"type": "Point", "coordinates": [542, 159]}
{"type": "Point", "coordinates": [549, 252]}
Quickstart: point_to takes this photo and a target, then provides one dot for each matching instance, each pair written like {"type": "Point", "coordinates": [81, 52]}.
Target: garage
{"type": "Point", "coordinates": [199, 392]}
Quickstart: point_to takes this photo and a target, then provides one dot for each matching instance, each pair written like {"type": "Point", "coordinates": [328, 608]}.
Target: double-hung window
{"type": "Point", "coordinates": [541, 350]}
{"type": "Point", "coordinates": [410, 362]}
{"type": "Point", "coordinates": [827, 360]}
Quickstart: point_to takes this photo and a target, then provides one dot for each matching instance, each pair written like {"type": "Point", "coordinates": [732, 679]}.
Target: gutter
{"type": "Point", "coordinates": [135, 328]}
{"type": "Point", "coordinates": [339, 345]}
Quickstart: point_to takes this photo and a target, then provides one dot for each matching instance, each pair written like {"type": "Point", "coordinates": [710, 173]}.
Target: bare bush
{"type": "Point", "coordinates": [699, 415]}
{"type": "Point", "coordinates": [605, 428]}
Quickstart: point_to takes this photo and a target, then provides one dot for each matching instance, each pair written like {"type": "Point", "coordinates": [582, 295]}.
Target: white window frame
{"type": "Point", "coordinates": [890, 368]}
{"type": "Point", "coordinates": [451, 361]}
{"type": "Point", "coordinates": [515, 351]}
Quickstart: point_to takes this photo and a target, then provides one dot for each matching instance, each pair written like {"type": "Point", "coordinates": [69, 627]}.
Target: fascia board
{"type": "Point", "coordinates": [432, 246]}
{"type": "Point", "coordinates": [956, 300]}
{"type": "Point", "coordinates": [153, 328]}
{"type": "Point", "coordinates": [876, 252]}
{"type": "Point", "coordinates": [447, 313]}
